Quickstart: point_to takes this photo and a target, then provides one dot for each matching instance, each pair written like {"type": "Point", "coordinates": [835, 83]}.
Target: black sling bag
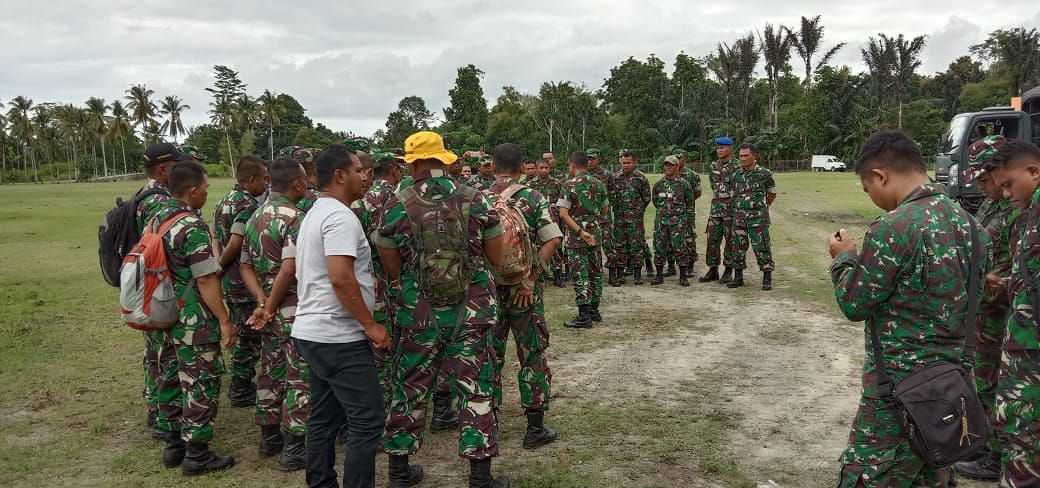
{"type": "Point", "coordinates": [937, 407]}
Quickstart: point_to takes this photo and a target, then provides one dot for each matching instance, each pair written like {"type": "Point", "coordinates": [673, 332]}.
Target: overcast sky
{"type": "Point", "coordinates": [349, 63]}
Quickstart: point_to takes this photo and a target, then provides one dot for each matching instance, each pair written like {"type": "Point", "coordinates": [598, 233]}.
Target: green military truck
{"type": "Point", "coordinates": [969, 127]}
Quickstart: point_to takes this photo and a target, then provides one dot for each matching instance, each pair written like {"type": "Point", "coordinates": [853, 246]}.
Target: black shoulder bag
{"type": "Point", "coordinates": [937, 407]}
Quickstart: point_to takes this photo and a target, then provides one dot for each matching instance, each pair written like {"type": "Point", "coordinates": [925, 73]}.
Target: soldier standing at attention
{"type": "Point", "coordinates": [597, 171]}
{"type": "Point", "coordinates": [909, 281]}
{"type": "Point", "coordinates": [1016, 170]}
{"type": "Point", "coordinates": [997, 216]}
{"type": "Point", "coordinates": [446, 309]}
{"type": "Point", "coordinates": [229, 219]}
{"type": "Point", "coordinates": [672, 196]}
{"type": "Point", "coordinates": [694, 180]}
{"type": "Point", "coordinates": [753, 192]}
{"type": "Point", "coordinates": [720, 217]}
{"type": "Point", "coordinates": [521, 309]}
{"type": "Point", "coordinates": [583, 210]}
{"type": "Point", "coordinates": [268, 266]}
{"type": "Point", "coordinates": [629, 192]}
{"type": "Point", "coordinates": [551, 189]}
{"type": "Point", "coordinates": [190, 365]}
{"type": "Point", "coordinates": [485, 176]}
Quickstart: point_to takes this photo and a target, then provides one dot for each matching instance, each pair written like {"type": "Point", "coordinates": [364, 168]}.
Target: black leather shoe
{"type": "Point", "coordinates": [984, 468]}
{"type": "Point", "coordinates": [738, 279]}
{"type": "Point", "coordinates": [200, 460]}
{"type": "Point", "coordinates": [711, 275]}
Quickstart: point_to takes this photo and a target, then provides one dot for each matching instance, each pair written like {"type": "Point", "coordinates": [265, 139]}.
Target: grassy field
{"type": "Point", "coordinates": [71, 410]}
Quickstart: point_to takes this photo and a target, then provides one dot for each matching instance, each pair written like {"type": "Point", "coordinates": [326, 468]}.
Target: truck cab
{"type": "Point", "coordinates": [967, 128]}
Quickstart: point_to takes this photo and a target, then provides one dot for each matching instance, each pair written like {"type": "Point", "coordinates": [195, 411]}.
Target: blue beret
{"type": "Point", "coordinates": [723, 141]}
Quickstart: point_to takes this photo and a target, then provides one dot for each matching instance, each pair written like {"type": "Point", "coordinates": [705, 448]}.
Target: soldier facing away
{"type": "Point", "coordinates": [583, 210]}
{"type": "Point", "coordinates": [753, 190]}
{"type": "Point", "coordinates": [720, 216]}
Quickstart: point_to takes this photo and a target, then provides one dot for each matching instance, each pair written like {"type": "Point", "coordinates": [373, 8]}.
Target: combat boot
{"type": "Point", "coordinates": [711, 275]}
{"type": "Point", "coordinates": [401, 474]}
{"type": "Point", "coordinates": [594, 313]}
{"type": "Point", "coordinates": [637, 275]}
{"type": "Point", "coordinates": [174, 450]}
{"type": "Point", "coordinates": [200, 460]}
{"type": "Point", "coordinates": [648, 265]}
{"type": "Point", "coordinates": [558, 279]}
{"type": "Point", "coordinates": [242, 392]}
{"type": "Point", "coordinates": [538, 434]}
{"type": "Point", "coordinates": [767, 280]}
{"type": "Point", "coordinates": [659, 277]}
{"type": "Point", "coordinates": [480, 475]}
{"type": "Point", "coordinates": [671, 269]}
{"type": "Point", "coordinates": [612, 277]}
{"type": "Point", "coordinates": [727, 276]}
{"type": "Point", "coordinates": [984, 468]}
{"type": "Point", "coordinates": [738, 279]}
{"type": "Point", "coordinates": [157, 433]}
{"type": "Point", "coordinates": [684, 276]}
{"type": "Point", "coordinates": [582, 321]}
{"type": "Point", "coordinates": [622, 272]}
{"type": "Point", "coordinates": [271, 441]}
{"type": "Point", "coordinates": [294, 456]}
{"type": "Point", "coordinates": [444, 417]}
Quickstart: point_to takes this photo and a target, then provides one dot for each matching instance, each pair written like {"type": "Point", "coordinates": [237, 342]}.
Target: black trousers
{"type": "Point", "coordinates": [344, 389]}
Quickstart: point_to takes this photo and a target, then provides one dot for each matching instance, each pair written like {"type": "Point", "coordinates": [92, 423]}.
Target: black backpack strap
{"type": "Point", "coordinates": [885, 384]}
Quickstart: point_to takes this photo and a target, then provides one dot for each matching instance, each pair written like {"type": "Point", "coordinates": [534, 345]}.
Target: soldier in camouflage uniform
{"type": "Point", "coordinates": [551, 189]}
{"type": "Point", "coordinates": [229, 219]}
{"type": "Point", "coordinates": [694, 180]}
{"type": "Point", "coordinates": [583, 210]}
{"type": "Point", "coordinates": [672, 196]}
{"type": "Point", "coordinates": [268, 267]}
{"type": "Point", "coordinates": [521, 309]}
{"type": "Point", "coordinates": [597, 171]}
{"type": "Point", "coordinates": [530, 172]}
{"type": "Point", "coordinates": [190, 363]}
{"type": "Point", "coordinates": [485, 176]}
{"type": "Point", "coordinates": [306, 158]}
{"type": "Point", "coordinates": [753, 190]}
{"type": "Point", "coordinates": [720, 216]}
{"type": "Point", "coordinates": [1014, 168]}
{"type": "Point", "coordinates": [453, 337]}
{"type": "Point", "coordinates": [158, 162]}
{"type": "Point", "coordinates": [558, 172]}
{"type": "Point", "coordinates": [629, 192]}
{"type": "Point", "coordinates": [997, 216]}
{"type": "Point", "coordinates": [900, 283]}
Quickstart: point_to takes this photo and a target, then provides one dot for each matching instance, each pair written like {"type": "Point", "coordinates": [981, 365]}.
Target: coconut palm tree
{"type": "Point", "coordinates": [172, 106]}
{"type": "Point", "coordinates": [98, 111]}
{"type": "Point", "coordinates": [776, 50]}
{"type": "Point", "coordinates": [807, 42]}
{"type": "Point", "coordinates": [905, 63]}
{"type": "Point", "coordinates": [271, 109]}
{"type": "Point", "coordinates": [71, 121]}
{"type": "Point", "coordinates": [119, 129]}
{"type": "Point", "coordinates": [142, 109]}
{"type": "Point", "coordinates": [46, 137]}
{"type": "Point", "coordinates": [21, 125]}
{"type": "Point", "coordinates": [222, 113]}
{"type": "Point", "coordinates": [3, 146]}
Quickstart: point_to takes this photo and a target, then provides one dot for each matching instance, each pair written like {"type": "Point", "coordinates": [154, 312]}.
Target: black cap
{"type": "Point", "coordinates": [162, 153]}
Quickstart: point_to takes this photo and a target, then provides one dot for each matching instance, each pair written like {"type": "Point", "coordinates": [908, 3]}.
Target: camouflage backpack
{"type": "Point", "coordinates": [518, 252]}
{"type": "Point", "coordinates": [442, 265]}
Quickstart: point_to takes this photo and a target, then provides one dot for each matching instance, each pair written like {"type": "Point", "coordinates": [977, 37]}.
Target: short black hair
{"type": "Point", "coordinates": [334, 157]}
{"type": "Point", "coordinates": [540, 161]}
{"type": "Point", "coordinates": [529, 162]}
{"type": "Point", "coordinates": [1011, 151]}
{"type": "Point", "coordinates": [891, 149]}
{"type": "Point", "coordinates": [628, 154]}
{"type": "Point", "coordinates": [283, 173]}
{"type": "Point", "coordinates": [750, 147]}
{"type": "Point", "coordinates": [507, 157]}
{"type": "Point", "coordinates": [249, 166]}
{"type": "Point", "coordinates": [579, 159]}
{"type": "Point", "coordinates": [185, 176]}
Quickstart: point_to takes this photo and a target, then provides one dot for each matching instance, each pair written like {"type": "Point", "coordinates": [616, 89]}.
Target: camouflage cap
{"type": "Point", "coordinates": [679, 151]}
{"type": "Point", "coordinates": [305, 154]}
{"type": "Point", "coordinates": [485, 160]}
{"type": "Point", "coordinates": [671, 159]}
{"type": "Point", "coordinates": [288, 150]}
{"type": "Point", "coordinates": [193, 152]}
{"type": "Point", "coordinates": [592, 153]}
{"type": "Point", "coordinates": [358, 144]}
{"type": "Point", "coordinates": [383, 159]}
{"type": "Point", "coordinates": [980, 152]}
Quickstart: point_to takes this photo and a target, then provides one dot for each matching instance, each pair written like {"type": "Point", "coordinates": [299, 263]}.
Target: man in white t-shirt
{"type": "Point", "coordinates": [334, 326]}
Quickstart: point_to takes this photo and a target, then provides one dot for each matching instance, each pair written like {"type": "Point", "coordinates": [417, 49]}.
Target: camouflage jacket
{"type": "Point", "coordinates": [395, 232]}
{"type": "Point", "coordinates": [533, 206]}
{"type": "Point", "coordinates": [559, 173]}
{"type": "Point", "coordinates": [308, 200]}
{"type": "Point", "coordinates": [629, 195]}
{"type": "Point", "coordinates": [750, 189]}
{"type": "Point", "coordinates": [692, 178]}
{"type": "Point", "coordinates": [150, 205]}
{"type": "Point", "coordinates": [369, 210]}
{"type": "Point", "coordinates": [998, 217]}
{"type": "Point", "coordinates": [1022, 326]}
{"type": "Point", "coordinates": [585, 197]}
{"type": "Point", "coordinates": [600, 174]}
{"type": "Point", "coordinates": [189, 255]}
{"type": "Point", "coordinates": [721, 181]}
{"type": "Point", "coordinates": [910, 281]}
{"type": "Point", "coordinates": [271, 237]}
{"type": "Point", "coordinates": [551, 189]}
{"type": "Point", "coordinates": [481, 183]}
{"type": "Point", "coordinates": [230, 217]}
{"type": "Point", "coordinates": [673, 199]}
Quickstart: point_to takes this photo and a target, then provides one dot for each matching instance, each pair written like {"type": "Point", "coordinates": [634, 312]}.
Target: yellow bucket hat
{"type": "Point", "coordinates": [427, 145]}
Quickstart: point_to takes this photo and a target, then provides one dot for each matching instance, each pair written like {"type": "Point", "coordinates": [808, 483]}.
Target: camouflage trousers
{"type": "Point", "coordinates": [751, 229]}
{"type": "Point", "coordinates": [532, 340]}
{"type": "Point", "coordinates": [188, 388]}
{"type": "Point", "coordinates": [152, 343]}
{"type": "Point", "coordinates": [386, 297]}
{"type": "Point", "coordinates": [992, 323]}
{"type": "Point", "coordinates": [878, 456]}
{"type": "Point", "coordinates": [437, 344]}
{"type": "Point", "coordinates": [719, 229]}
{"type": "Point", "coordinates": [1018, 391]}
{"type": "Point", "coordinates": [587, 270]}
{"type": "Point", "coordinates": [283, 381]}
{"type": "Point", "coordinates": [629, 243]}
{"type": "Point", "coordinates": [672, 242]}
{"type": "Point", "coordinates": [691, 237]}
{"type": "Point", "coordinates": [246, 351]}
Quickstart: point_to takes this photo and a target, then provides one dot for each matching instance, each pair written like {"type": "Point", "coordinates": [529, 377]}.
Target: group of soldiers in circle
{"type": "Point", "coordinates": [431, 309]}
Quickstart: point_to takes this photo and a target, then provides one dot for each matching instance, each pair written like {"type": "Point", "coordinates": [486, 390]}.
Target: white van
{"type": "Point", "coordinates": [825, 162]}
